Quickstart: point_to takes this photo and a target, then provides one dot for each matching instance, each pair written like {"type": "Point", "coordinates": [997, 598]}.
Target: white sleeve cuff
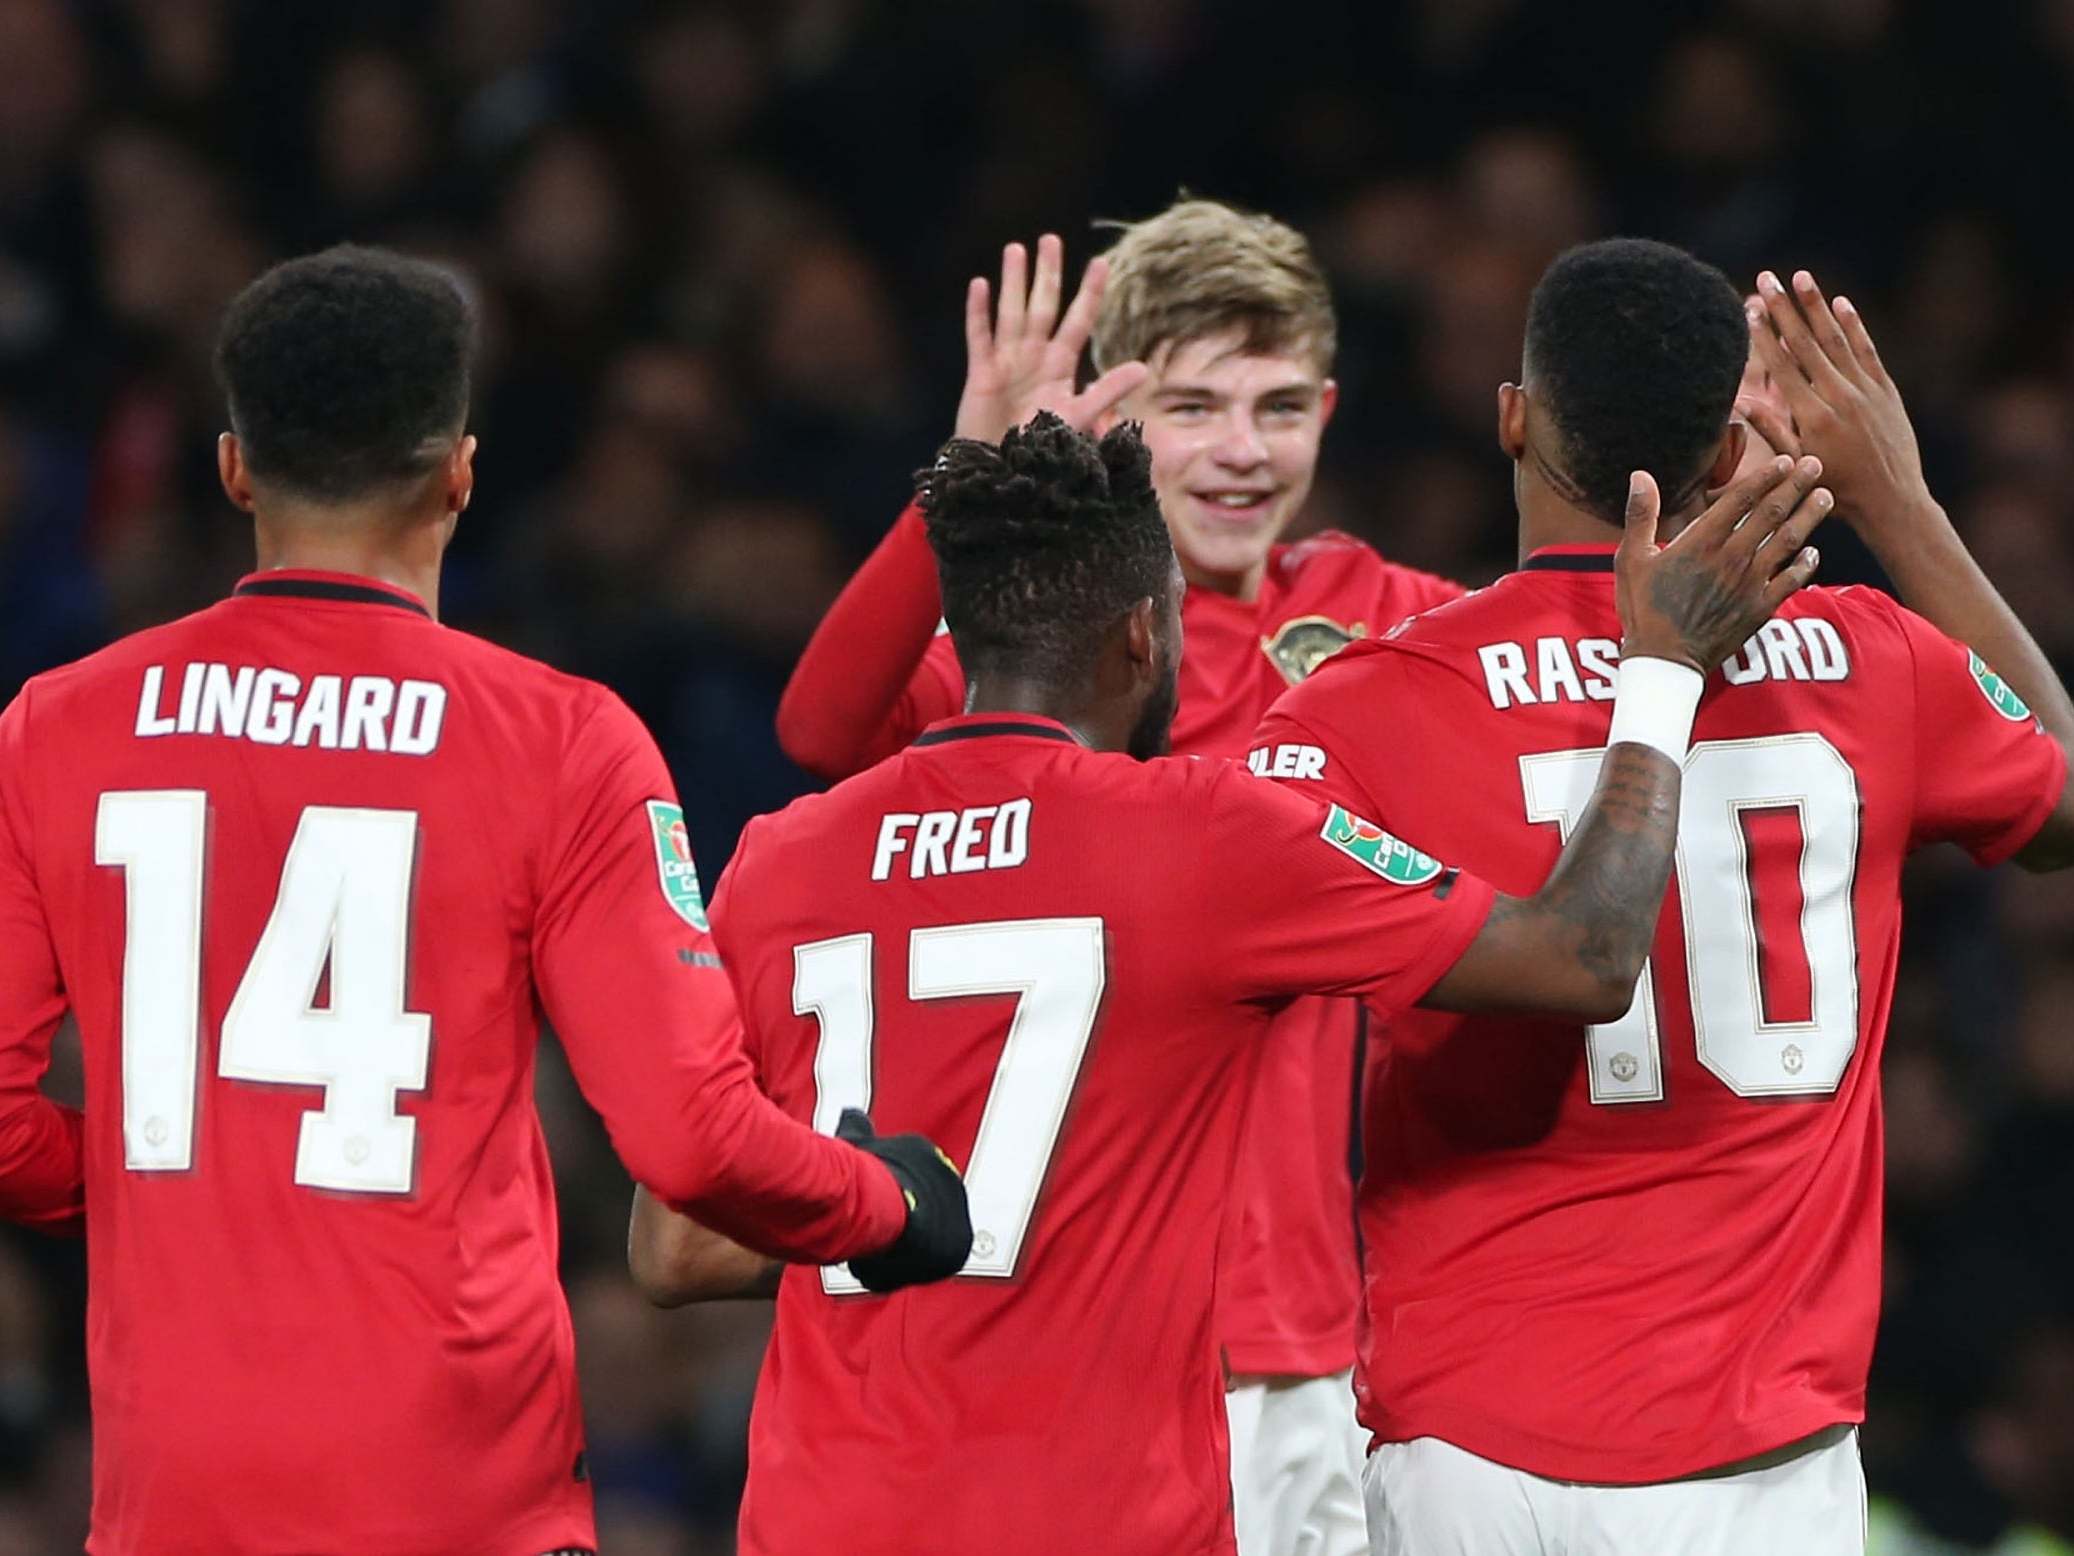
{"type": "Point", "coordinates": [1654, 704]}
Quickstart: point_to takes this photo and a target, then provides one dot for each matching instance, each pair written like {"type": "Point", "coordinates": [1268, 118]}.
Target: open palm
{"type": "Point", "coordinates": [1023, 357]}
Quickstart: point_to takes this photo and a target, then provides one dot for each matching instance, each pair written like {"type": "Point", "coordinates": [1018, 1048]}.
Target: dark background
{"type": "Point", "coordinates": [721, 248]}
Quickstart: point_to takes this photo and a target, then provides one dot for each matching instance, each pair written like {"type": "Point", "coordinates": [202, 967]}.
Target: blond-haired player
{"type": "Point", "coordinates": [1215, 328]}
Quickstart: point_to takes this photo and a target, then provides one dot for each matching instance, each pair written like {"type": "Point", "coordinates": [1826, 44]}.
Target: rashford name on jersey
{"type": "Point", "coordinates": [1670, 1223]}
{"type": "Point", "coordinates": [1561, 669]}
{"type": "Point", "coordinates": [274, 707]}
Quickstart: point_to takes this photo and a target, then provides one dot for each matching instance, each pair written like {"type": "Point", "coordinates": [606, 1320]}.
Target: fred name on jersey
{"type": "Point", "coordinates": [274, 707]}
{"type": "Point", "coordinates": [953, 842]}
{"type": "Point", "coordinates": [1552, 669]}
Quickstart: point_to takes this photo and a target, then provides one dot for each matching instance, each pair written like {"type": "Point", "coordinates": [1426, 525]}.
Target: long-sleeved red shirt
{"type": "Point", "coordinates": [878, 671]}
{"type": "Point", "coordinates": [309, 869]}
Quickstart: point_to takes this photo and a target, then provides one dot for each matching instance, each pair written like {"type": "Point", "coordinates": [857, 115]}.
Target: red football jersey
{"type": "Point", "coordinates": [1057, 963]}
{"type": "Point", "coordinates": [308, 868]}
{"type": "Point", "coordinates": [1634, 1252]}
{"type": "Point", "coordinates": [1289, 1284]}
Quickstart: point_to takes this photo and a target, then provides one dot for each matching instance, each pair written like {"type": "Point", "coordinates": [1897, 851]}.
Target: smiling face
{"type": "Point", "coordinates": [1234, 440]}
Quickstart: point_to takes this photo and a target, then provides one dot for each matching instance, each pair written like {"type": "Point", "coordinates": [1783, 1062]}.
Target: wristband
{"type": "Point", "coordinates": [1654, 704]}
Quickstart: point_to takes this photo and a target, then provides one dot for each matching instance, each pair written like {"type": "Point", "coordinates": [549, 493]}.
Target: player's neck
{"type": "Point", "coordinates": [1095, 726]}
{"type": "Point", "coordinates": [405, 555]}
{"type": "Point", "coordinates": [1547, 519]}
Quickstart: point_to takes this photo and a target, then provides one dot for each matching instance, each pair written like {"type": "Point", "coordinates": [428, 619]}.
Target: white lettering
{"type": "Point", "coordinates": [149, 720]}
{"type": "Point", "coordinates": [190, 697]}
{"type": "Point", "coordinates": [368, 701]}
{"type": "Point", "coordinates": [420, 710]}
{"type": "Point", "coordinates": [954, 842]}
{"type": "Point", "coordinates": [890, 842]}
{"type": "Point", "coordinates": [1826, 654]}
{"type": "Point", "coordinates": [319, 715]}
{"type": "Point", "coordinates": [224, 700]}
{"type": "Point", "coordinates": [1558, 674]}
{"type": "Point", "coordinates": [1598, 657]}
{"type": "Point", "coordinates": [273, 706]}
{"type": "Point", "coordinates": [1747, 664]}
{"type": "Point", "coordinates": [1010, 844]}
{"type": "Point", "coordinates": [1288, 761]}
{"type": "Point", "coordinates": [930, 837]}
{"type": "Point", "coordinates": [965, 856]}
{"type": "Point", "coordinates": [1505, 674]}
{"type": "Point", "coordinates": [1782, 651]}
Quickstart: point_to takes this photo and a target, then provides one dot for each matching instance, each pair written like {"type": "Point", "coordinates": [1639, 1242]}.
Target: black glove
{"type": "Point", "coordinates": [938, 1236]}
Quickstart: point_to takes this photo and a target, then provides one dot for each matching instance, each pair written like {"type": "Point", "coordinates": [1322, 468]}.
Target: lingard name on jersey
{"type": "Point", "coordinates": [274, 707]}
{"type": "Point", "coordinates": [1806, 648]}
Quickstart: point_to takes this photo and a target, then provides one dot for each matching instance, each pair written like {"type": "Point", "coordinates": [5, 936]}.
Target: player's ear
{"type": "Point", "coordinates": [1512, 421]}
{"type": "Point", "coordinates": [460, 474]}
{"type": "Point", "coordinates": [231, 471]}
{"type": "Point", "coordinates": [1328, 401]}
{"type": "Point", "coordinates": [1728, 455]}
{"type": "Point", "coordinates": [1141, 634]}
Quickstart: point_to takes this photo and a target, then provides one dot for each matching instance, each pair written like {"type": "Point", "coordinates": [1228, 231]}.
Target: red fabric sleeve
{"type": "Point", "coordinates": [871, 678]}
{"type": "Point", "coordinates": [1987, 773]}
{"type": "Point", "coordinates": [42, 1157]}
{"type": "Point", "coordinates": [1290, 750]}
{"type": "Point", "coordinates": [630, 978]}
{"type": "Point", "coordinates": [1332, 904]}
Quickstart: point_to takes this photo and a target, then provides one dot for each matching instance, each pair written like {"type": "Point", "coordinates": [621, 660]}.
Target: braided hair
{"type": "Point", "coordinates": [1042, 544]}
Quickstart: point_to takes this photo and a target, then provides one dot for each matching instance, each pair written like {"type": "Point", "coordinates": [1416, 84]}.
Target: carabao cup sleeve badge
{"type": "Point", "coordinates": [680, 877]}
{"type": "Point", "coordinates": [1302, 643]}
{"type": "Point", "coordinates": [1999, 693]}
{"type": "Point", "coordinates": [1395, 860]}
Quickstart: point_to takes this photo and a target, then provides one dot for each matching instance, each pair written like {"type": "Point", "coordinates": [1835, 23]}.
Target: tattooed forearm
{"type": "Point", "coordinates": [1601, 903]}
{"type": "Point", "coordinates": [1576, 947]}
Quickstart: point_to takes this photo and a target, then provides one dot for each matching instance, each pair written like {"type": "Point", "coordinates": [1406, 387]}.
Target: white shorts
{"type": "Point", "coordinates": [1430, 1498]}
{"type": "Point", "coordinates": [1296, 1466]}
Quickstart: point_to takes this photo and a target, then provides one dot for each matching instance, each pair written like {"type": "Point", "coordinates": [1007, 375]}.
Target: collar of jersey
{"type": "Point", "coordinates": [310, 583]}
{"type": "Point", "coordinates": [980, 726]}
{"type": "Point", "coordinates": [1591, 558]}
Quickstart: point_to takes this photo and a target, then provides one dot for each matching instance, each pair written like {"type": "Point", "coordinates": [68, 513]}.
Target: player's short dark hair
{"type": "Point", "coordinates": [1043, 543]}
{"type": "Point", "coordinates": [1635, 349]}
{"type": "Point", "coordinates": [347, 370]}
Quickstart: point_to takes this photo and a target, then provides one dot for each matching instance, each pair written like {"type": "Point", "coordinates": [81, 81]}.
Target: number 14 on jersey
{"type": "Point", "coordinates": [344, 907]}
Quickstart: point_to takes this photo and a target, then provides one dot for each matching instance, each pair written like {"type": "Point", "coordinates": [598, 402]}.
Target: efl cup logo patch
{"type": "Point", "coordinates": [1303, 643]}
{"type": "Point", "coordinates": [1996, 690]}
{"type": "Point", "coordinates": [680, 877]}
{"type": "Point", "coordinates": [1395, 860]}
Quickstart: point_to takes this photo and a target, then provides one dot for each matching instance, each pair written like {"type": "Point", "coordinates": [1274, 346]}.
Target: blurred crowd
{"type": "Point", "coordinates": [720, 246]}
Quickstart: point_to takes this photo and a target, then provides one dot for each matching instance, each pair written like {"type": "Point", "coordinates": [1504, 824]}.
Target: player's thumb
{"type": "Point", "coordinates": [1644, 504]}
{"type": "Point", "coordinates": [1102, 396]}
{"type": "Point", "coordinates": [855, 1127]}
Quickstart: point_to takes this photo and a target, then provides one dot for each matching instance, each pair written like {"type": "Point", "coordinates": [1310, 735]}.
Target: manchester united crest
{"type": "Point", "coordinates": [1303, 643]}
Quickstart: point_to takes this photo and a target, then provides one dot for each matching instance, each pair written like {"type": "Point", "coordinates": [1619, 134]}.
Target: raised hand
{"type": "Point", "coordinates": [1021, 357]}
{"type": "Point", "coordinates": [1761, 407]}
{"type": "Point", "coordinates": [1696, 600]}
{"type": "Point", "coordinates": [1844, 409]}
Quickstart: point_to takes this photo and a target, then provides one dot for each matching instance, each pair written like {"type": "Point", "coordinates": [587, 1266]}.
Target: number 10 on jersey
{"type": "Point", "coordinates": [1772, 1014]}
